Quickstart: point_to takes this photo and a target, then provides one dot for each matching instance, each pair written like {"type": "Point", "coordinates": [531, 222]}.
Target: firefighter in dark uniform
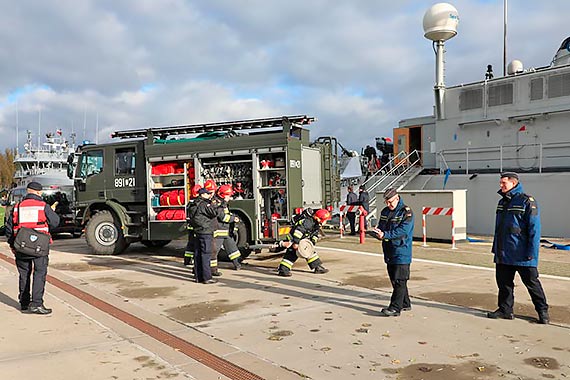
{"type": "Point", "coordinates": [306, 226]}
{"type": "Point", "coordinates": [396, 229]}
{"type": "Point", "coordinates": [212, 187]}
{"type": "Point", "coordinates": [516, 244]}
{"type": "Point", "coordinates": [31, 212]}
{"type": "Point", "coordinates": [189, 251]}
{"type": "Point", "coordinates": [201, 213]}
{"type": "Point", "coordinates": [226, 220]}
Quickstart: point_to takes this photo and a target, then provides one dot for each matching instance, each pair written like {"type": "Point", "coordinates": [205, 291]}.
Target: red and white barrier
{"type": "Point", "coordinates": [444, 211]}
{"type": "Point", "coordinates": [362, 212]}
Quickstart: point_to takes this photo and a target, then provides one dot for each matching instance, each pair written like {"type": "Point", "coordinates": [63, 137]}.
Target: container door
{"type": "Point", "coordinates": [401, 140]}
{"type": "Point", "coordinates": [311, 178]}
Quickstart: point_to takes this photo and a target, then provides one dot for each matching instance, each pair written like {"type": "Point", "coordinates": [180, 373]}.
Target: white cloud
{"type": "Point", "coordinates": [358, 66]}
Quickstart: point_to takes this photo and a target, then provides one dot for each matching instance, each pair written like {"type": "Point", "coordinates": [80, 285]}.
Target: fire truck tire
{"type": "Point", "coordinates": [241, 240]}
{"type": "Point", "coordinates": [104, 235]}
{"type": "Point", "coordinates": [155, 243]}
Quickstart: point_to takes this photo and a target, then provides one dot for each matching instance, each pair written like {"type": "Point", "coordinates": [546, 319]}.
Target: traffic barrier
{"type": "Point", "coordinates": [442, 211]}
{"type": "Point", "coordinates": [361, 222]}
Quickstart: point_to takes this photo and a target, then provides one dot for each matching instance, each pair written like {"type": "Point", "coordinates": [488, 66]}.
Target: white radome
{"type": "Point", "coordinates": [440, 22]}
{"type": "Point", "coordinates": [515, 67]}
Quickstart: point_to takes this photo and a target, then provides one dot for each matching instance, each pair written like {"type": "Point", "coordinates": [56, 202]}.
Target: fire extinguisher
{"type": "Point", "coordinates": [266, 229]}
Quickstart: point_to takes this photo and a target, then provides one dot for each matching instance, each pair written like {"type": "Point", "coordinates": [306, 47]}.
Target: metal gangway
{"type": "Point", "coordinates": [397, 173]}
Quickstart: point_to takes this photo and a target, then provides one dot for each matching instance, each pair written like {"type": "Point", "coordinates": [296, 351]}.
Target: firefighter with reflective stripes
{"type": "Point", "coordinates": [211, 186]}
{"type": "Point", "coordinates": [516, 245]}
{"type": "Point", "coordinates": [189, 251]}
{"type": "Point", "coordinates": [306, 226]}
{"type": "Point", "coordinates": [226, 220]}
{"type": "Point", "coordinates": [31, 212]}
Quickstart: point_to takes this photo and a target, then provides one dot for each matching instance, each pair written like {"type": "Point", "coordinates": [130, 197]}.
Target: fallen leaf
{"type": "Point", "coordinates": [422, 342]}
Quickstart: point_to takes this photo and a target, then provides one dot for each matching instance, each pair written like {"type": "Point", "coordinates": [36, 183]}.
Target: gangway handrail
{"type": "Point", "coordinates": [406, 163]}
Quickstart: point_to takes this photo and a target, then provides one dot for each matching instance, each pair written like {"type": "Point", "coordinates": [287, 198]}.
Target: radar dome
{"type": "Point", "coordinates": [440, 22]}
{"type": "Point", "coordinates": [515, 67]}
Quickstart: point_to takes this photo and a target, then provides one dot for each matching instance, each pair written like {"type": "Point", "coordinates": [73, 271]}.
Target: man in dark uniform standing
{"type": "Point", "coordinates": [351, 200]}
{"type": "Point", "coordinates": [516, 245]}
{"type": "Point", "coordinates": [396, 229]}
{"type": "Point", "coordinates": [364, 201]}
{"type": "Point", "coordinates": [31, 212]}
{"type": "Point", "coordinates": [201, 213]}
{"type": "Point", "coordinates": [190, 244]}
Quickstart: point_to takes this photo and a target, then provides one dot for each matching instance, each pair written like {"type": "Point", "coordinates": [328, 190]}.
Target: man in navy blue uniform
{"type": "Point", "coordinates": [515, 245]}
{"type": "Point", "coordinates": [396, 229]}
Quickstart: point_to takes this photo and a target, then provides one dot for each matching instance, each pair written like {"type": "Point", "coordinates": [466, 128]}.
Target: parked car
{"type": "Point", "coordinates": [60, 197]}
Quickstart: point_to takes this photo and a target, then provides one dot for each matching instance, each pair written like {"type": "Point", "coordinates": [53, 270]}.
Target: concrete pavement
{"type": "Point", "coordinates": [306, 326]}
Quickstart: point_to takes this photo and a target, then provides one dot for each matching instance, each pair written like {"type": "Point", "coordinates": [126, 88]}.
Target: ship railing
{"type": "Point", "coordinates": [524, 157]}
{"type": "Point", "coordinates": [396, 173]}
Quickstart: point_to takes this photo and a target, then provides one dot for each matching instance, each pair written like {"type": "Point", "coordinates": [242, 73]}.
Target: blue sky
{"type": "Point", "coordinates": [358, 66]}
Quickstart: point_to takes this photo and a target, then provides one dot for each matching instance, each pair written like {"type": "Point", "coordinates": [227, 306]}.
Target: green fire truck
{"type": "Point", "coordinates": [136, 189]}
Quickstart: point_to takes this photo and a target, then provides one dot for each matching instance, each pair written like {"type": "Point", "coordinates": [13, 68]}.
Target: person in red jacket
{"type": "Point", "coordinates": [31, 212]}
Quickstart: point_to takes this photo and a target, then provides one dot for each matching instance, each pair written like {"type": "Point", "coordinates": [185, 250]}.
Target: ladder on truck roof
{"type": "Point", "coordinates": [163, 132]}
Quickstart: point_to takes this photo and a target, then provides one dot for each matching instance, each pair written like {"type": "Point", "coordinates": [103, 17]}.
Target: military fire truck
{"type": "Point", "coordinates": [136, 189]}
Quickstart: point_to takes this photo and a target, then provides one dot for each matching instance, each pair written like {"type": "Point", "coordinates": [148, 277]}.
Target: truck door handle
{"type": "Point", "coordinates": [135, 191]}
{"type": "Point", "coordinates": [102, 194]}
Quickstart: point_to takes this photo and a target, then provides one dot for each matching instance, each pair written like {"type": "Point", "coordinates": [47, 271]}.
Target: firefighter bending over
{"type": "Point", "coordinates": [305, 226]}
{"type": "Point", "coordinates": [226, 221]}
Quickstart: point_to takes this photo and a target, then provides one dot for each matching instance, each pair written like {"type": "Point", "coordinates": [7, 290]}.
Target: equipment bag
{"type": "Point", "coordinates": [30, 242]}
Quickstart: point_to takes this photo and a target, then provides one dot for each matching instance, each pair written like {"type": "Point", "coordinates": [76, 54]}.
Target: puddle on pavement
{"type": "Point", "coordinates": [146, 361]}
{"type": "Point", "coordinates": [428, 371]}
{"type": "Point", "coordinates": [205, 311]}
{"type": "Point", "coordinates": [367, 281]}
{"type": "Point", "coordinates": [543, 362]}
{"type": "Point", "coordinates": [122, 283]}
{"type": "Point", "coordinates": [278, 335]}
{"type": "Point", "coordinates": [488, 301]}
{"type": "Point", "coordinates": [79, 267]}
{"type": "Point", "coordinates": [148, 293]}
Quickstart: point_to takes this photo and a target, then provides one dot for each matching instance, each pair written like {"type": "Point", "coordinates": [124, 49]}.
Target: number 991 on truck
{"type": "Point", "coordinates": [136, 189]}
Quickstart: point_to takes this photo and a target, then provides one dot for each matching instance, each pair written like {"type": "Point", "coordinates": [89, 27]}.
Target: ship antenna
{"type": "Point", "coordinates": [505, 9]}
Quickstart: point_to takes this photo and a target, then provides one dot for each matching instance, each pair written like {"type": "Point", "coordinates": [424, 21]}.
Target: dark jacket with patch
{"type": "Point", "coordinates": [517, 229]}
{"type": "Point", "coordinates": [201, 212]}
{"type": "Point", "coordinates": [305, 228]}
{"type": "Point", "coordinates": [398, 228]}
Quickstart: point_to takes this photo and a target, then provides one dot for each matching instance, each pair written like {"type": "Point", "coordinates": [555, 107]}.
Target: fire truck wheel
{"type": "Point", "coordinates": [241, 240]}
{"type": "Point", "coordinates": [155, 243]}
{"type": "Point", "coordinates": [104, 235]}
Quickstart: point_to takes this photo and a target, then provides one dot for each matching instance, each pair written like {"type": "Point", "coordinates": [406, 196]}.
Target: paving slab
{"type": "Point", "coordinates": [306, 326]}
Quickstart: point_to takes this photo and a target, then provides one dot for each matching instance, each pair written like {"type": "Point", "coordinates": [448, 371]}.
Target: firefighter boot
{"type": "Point", "coordinates": [237, 265]}
{"type": "Point", "coordinates": [216, 272]}
{"type": "Point", "coordinates": [321, 269]}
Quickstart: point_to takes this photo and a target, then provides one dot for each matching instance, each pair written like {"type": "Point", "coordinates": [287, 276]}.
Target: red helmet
{"type": "Point", "coordinates": [194, 191]}
{"type": "Point", "coordinates": [322, 215]}
{"type": "Point", "coordinates": [210, 185]}
{"type": "Point", "coordinates": [225, 190]}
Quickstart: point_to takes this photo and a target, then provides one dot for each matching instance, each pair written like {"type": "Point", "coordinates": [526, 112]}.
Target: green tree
{"type": "Point", "coordinates": [7, 168]}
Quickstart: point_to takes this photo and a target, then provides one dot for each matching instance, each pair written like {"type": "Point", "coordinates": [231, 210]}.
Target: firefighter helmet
{"type": "Point", "coordinates": [225, 190]}
{"type": "Point", "coordinates": [322, 215]}
{"type": "Point", "coordinates": [210, 185]}
{"type": "Point", "coordinates": [194, 191]}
